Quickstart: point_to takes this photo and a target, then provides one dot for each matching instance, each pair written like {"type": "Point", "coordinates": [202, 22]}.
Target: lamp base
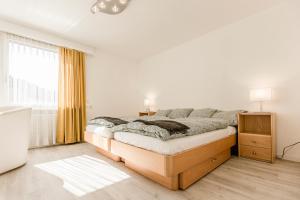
{"type": "Point", "coordinates": [148, 110]}
{"type": "Point", "coordinates": [260, 106]}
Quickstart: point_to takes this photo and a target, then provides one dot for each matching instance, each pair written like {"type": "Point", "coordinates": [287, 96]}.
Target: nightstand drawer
{"type": "Point", "coordinates": [256, 152]}
{"type": "Point", "coordinates": [255, 140]}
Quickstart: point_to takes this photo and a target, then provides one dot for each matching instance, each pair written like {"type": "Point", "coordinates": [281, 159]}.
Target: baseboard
{"type": "Point", "coordinates": [290, 158]}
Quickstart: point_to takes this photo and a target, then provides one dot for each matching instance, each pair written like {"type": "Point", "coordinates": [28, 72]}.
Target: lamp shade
{"type": "Point", "coordinates": [146, 102]}
{"type": "Point", "coordinates": [261, 94]}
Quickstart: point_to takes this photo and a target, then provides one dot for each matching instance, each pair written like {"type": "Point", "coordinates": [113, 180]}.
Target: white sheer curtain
{"type": "Point", "coordinates": [33, 81]}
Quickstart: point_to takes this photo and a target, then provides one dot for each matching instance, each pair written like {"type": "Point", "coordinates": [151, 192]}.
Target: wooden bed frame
{"type": "Point", "coordinates": [103, 145]}
{"type": "Point", "coordinates": [175, 172]}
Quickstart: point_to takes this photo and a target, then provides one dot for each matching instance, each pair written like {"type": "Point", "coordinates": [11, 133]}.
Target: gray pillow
{"type": "Point", "coordinates": [230, 116]}
{"type": "Point", "coordinates": [163, 113]}
{"type": "Point", "coordinates": [203, 113]}
{"type": "Point", "coordinates": [180, 113]}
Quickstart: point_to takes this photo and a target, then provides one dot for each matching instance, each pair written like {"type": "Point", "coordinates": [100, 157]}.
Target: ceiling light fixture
{"type": "Point", "coordinates": [115, 9]}
{"type": "Point", "coordinates": [111, 7]}
{"type": "Point", "coordinates": [102, 5]}
{"type": "Point", "coordinates": [123, 1]}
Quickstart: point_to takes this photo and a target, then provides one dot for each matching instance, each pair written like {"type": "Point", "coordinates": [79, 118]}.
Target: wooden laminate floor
{"type": "Point", "coordinates": [237, 179]}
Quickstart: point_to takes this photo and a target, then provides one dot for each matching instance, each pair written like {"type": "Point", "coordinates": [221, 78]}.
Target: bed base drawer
{"type": "Point", "coordinates": [193, 174]}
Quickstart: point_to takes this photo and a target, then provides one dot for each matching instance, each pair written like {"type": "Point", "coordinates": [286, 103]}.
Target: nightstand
{"type": "Point", "coordinates": [146, 113]}
{"type": "Point", "coordinates": [256, 136]}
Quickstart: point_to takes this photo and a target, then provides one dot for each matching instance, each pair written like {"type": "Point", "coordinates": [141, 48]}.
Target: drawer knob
{"type": "Point", "coordinates": [253, 141]}
{"type": "Point", "coordinates": [213, 160]}
{"type": "Point", "coordinates": [253, 153]}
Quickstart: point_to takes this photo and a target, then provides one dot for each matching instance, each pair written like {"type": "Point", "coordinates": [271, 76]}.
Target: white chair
{"type": "Point", "coordinates": [14, 137]}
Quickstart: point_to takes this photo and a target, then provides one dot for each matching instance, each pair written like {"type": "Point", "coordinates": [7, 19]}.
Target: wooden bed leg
{"type": "Point", "coordinates": [171, 183]}
{"type": "Point", "coordinates": [108, 154]}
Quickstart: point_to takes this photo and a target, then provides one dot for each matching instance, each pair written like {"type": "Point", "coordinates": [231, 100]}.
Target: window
{"type": "Point", "coordinates": [31, 79]}
{"type": "Point", "coordinates": [32, 74]}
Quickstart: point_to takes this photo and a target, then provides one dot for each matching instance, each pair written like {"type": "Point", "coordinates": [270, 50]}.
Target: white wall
{"type": "Point", "coordinates": [217, 70]}
{"type": "Point", "coordinates": [111, 86]}
{"type": "Point", "coordinates": [2, 91]}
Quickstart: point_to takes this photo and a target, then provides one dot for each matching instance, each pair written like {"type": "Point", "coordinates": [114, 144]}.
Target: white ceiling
{"type": "Point", "coordinates": [145, 28]}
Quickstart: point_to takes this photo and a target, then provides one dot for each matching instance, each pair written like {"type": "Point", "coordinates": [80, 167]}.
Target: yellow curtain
{"type": "Point", "coordinates": [71, 120]}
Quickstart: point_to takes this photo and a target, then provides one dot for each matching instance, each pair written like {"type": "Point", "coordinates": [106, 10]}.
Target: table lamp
{"type": "Point", "coordinates": [260, 95]}
{"type": "Point", "coordinates": [147, 105]}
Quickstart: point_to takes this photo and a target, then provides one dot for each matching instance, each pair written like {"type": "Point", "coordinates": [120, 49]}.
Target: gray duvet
{"type": "Point", "coordinates": [196, 126]}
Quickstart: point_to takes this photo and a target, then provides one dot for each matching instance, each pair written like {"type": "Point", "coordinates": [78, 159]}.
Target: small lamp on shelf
{"type": "Point", "coordinates": [260, 95]}
{"type": "Point", "coordinates": [147, 105]}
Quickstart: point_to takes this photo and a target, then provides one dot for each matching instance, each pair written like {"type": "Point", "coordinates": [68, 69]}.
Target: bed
{"type": "Point", "coordinates": [175, 164]}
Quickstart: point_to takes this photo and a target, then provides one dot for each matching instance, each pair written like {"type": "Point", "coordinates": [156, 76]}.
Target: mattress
{"type": "Point", "coordinates": [100, 130]}
{"type": "Point", "coordinates": [174, 146]}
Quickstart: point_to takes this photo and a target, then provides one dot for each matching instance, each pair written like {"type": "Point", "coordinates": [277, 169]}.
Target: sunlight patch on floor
{"type": "Point", "coordinates": [83, 174]}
